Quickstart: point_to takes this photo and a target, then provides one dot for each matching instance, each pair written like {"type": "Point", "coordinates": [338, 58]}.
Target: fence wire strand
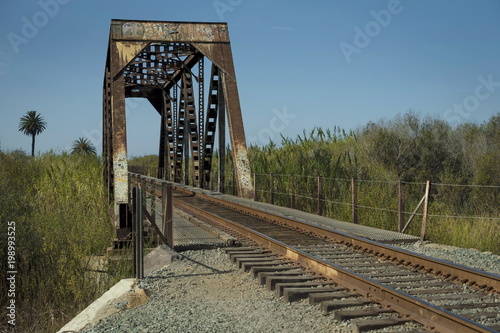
{"type": "Point", "coordinates": [152, 171]}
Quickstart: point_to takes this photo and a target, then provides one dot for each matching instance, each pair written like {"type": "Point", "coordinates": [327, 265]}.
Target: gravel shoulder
{"type": "Point", "coordinates": [485, 261]}
{"type": "Point", "coordinates": [204, 292]}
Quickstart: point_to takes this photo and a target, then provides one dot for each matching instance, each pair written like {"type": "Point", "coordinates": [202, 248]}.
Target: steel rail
{"type": "Point", "coordinates": [446, 269]}
{"type": "Point", "coordinates": [434, 317]}
{"type": "Point", "coordinates": [471, 276]}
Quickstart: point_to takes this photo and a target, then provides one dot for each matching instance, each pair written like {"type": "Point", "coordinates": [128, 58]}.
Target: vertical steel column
{"type": "Point", "coordinates": [193, 152]}
{"type": "Point", "coordinates": [186, 157]}
{"type": "Point", "coordinates": [163, 138]}
{"type": "Point", "coordinates": [173, 163]}
{"type": "Point", "coordinates": [185, 103]}
{"type": "Point", "coordinates": [107, 148]}
{"type": "Point", "coordinates": [210, 125]}
{"type": "Point", "coordinates": [181, 136]}
{"type": "Point", "coordinates": [201, 121]}
{"type": "Point", "coordinates": [119, 140]}
{"type": "Point", "coordinates": [222, 139]}
{"type": "Point", "coordinates": [169, 136]}
{"type": "Point", "coordinates": [235, 122]}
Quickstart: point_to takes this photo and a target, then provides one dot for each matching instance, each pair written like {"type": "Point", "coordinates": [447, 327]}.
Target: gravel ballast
{"type": "Point", "coordinates": [485, 261]}
{"type": "Point", "coordinates": [204, 292]}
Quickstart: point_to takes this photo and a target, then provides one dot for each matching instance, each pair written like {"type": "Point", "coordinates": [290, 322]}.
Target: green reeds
{"type": "Point", "coordinates": [61, 210]}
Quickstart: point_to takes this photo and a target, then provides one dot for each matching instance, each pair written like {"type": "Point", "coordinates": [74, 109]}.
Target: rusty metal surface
{"type": "Point", "coordinates": [156, 60]}
{"type": "Point", "coordinates": [220, 54]}
{"type": "Point", "coordinates": [171, 31]}
{"type": "Point", "coordinates": [210, 126]}
{"type": "Point", "coordinates": [118, 130]}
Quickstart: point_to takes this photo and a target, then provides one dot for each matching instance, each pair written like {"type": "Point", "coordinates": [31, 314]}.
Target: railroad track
{"type": "Point", "coordinates": [371, 284]}
{"type": "Point", "coordinates": [354, 277]}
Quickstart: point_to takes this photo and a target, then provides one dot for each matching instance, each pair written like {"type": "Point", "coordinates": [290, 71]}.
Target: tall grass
{"type": "Point", "coordinates": [339, 158]}
{"type": "Point", "coordinates": [62, 220]}
{"type": "Point", "coordinates": [378, 156]}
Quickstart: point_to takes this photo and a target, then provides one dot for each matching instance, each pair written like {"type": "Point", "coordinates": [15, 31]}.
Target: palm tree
{"type": "Point", "coordinates": [83, 146]}
{"type": "Point", "coordinates": [32, 124]}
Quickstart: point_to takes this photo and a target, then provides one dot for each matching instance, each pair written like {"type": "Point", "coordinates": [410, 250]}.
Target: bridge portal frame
{"type": "Point", "coordinates": [125, 76]}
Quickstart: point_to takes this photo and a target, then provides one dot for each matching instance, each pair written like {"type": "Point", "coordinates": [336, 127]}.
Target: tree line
{"type": "Point", "coordinates": [33, 124]}
{"type": "Point", "coordinates": [462, 162]}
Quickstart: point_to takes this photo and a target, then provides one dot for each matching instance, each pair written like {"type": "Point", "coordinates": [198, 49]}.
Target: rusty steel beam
{"type": "Point", "coordinates": [210, 125]}
{"type": "Point", "coordinates": [106, 129]}
{"type": "Point", "coordinates": [220, 54]}
{"type": "Point", "coordinates": [119, 136]}
{"type": "Point", "coordinates": [172, 31]}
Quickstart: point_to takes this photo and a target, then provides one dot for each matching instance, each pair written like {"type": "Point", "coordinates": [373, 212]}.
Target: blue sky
{"type": "Point", "coordinates": [299, 64]}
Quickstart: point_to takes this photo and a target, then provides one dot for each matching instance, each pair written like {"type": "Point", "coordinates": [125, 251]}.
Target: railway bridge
{"type": "Point", "coordinates": [345, 268]}
{"type": "Point", "coordinates": [165, 62]}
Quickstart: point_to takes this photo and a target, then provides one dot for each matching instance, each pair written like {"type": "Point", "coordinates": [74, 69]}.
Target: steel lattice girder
{"type": "Point", "coordinates": [151, 58]}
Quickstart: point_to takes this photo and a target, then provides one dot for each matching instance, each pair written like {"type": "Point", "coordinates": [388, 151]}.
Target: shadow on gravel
{"type": "Point", "coordinates": [203, 265]}
{"type": "Point", "coordinates": [171, 275]}
{"type": "Point", "coordinates": [186, 275]}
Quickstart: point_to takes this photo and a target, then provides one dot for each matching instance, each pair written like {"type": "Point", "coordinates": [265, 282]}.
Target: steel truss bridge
{"type": "Point", "coordinates": [164, 62]}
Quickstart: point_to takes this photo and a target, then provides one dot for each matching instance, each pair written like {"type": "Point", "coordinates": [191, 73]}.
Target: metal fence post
{"type": "Point", "coordinates": [254, 187]}
{"type": "Point", "coordinates": [134, 195]}
{"type": "Point", "coordinates": [426, 209]}
{"type": "Point", "coordinates": [354, 201]}
{"type": "Point", "coordinates": [139, 251]}
{"type": "Point", "coordinates": [142, 185]}
{"type": "Point", "coordinates": [320, 195]}
{"type": "Point", "coordinates": [292, 191]}
{"type": "Point", "coordinates": [401, 205]}
{"type": "Point", "coordinates": [153, 207]}
{"type": "Point", "coordinates": [235, 186]}
{"type": "Point", "coordinates": [271, 189]}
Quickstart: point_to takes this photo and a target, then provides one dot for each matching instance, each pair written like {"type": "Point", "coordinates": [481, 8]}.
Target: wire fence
{"type": "Point", "coordinates": [342, 188]}
{"type": "Point", "coordinates": [466, 215]}
{"type": "Point", "coordinates": [386, 204]}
